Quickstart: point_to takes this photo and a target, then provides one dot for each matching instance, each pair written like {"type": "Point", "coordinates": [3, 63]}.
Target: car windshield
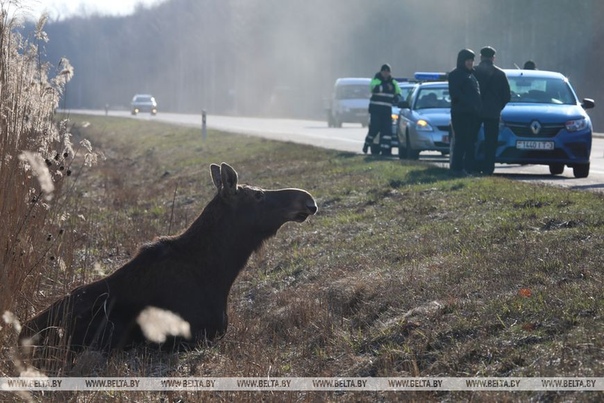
{"type": "Point", "coordinates": [353, 92]}
{"type": "Point", "coordinates": [142, 99]}
{"type": "Point", "coordinates": [435, 97]}
{"type": "Point", "coordinates": [406, 91]}
{"type": "Point", "coordinates": [541, 90]}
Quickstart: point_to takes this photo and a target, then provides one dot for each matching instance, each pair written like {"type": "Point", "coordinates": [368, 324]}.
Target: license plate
{"type": "Point", "coordinates": [534, 145]}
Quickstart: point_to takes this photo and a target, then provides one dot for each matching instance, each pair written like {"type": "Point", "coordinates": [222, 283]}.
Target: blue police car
{"type": "Point", "coordinates": [545, 123]}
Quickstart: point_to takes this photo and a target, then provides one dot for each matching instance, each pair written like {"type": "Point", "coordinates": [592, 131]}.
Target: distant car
{"type": "Point", "coordinates": [143, 103]}
{"type": "Point", "coordinates": [424, 120]}
{"type": "Point", "coordinates": [406, 89]}
{"type": "Point", "coordinates": [349, 102]}
{"type": "Point", "coordinates": [544, 124]}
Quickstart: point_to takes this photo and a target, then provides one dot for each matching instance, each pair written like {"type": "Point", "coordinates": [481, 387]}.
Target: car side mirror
{"type": "Point", "coordinates": [588, 103]}
{"type": "Point", "coordinates": [403, 105]}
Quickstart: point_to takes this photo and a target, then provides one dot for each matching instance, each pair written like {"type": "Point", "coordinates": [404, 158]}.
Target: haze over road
{"type": "Point", "coordinates": [351, 137]}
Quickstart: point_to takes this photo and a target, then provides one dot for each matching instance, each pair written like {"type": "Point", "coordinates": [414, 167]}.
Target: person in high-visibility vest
{"type": "Point", "coordinates": [385, 91]}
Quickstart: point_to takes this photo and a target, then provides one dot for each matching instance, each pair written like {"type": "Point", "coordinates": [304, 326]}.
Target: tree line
{"type": "Point", "coordinates": [281, 57]}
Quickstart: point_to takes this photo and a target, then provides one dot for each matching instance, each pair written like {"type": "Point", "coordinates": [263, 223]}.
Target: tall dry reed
{"type": "Point", "coordinates": [36, 157]}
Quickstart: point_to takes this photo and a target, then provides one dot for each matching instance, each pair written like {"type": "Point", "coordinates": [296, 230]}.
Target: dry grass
{"type": "Point", "coordinates": [35, 176]}
{"type": "Point", "coordinates": [404, 271]}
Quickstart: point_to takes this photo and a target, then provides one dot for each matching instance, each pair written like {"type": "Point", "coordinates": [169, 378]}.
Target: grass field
{"type": "Point", "coordinates": [404, 271]}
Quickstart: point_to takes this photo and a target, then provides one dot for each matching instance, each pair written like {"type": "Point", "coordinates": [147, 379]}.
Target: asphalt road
{"type": "Point", "coordinates": [351, 137]}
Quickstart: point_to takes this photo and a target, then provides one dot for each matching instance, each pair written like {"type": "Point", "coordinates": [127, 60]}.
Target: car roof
{"type": "Point", "coordinates": [533, 73]}
{"type": "Point", "coordinates": [353, 81]}
{"type": "Point", "coordinates": [433, 84]}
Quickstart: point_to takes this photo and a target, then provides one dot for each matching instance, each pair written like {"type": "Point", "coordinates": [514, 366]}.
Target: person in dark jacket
{"type": "Point", "coordinates": [465, 108]}
{"type": "Point", "coordinates": [384, 92]}
{"type": "Point", "coordinates": [495, 94]}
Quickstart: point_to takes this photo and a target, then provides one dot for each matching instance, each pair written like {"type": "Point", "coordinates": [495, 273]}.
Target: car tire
{"type": "Point", "coordinates": [402, 150]}
{"type": "Point", "coordinates": [581, 170]}
{"type": "Point", "coordinates": [411, 153]}
{"type": "Point", "coordinates": [556, 169]}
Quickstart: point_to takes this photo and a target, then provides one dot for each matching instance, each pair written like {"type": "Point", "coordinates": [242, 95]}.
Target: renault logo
{"type": "Point", "coordinates": [535, 127]}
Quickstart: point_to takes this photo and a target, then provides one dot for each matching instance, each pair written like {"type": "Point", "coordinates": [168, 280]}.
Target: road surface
{"type": "Point", "coordinates": [351, 137]}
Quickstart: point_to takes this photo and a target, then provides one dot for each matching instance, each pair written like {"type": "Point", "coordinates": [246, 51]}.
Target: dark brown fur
{"type": "Point", "coordinates": [188, 274]}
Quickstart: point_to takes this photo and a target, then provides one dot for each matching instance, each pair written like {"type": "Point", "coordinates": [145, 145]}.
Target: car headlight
{"type": "Point", "coordinates": [576, 125]}
{"type": "Point", "coordinates": [394, 118]}
{"type": "Point", "coordinates": [423, 125]}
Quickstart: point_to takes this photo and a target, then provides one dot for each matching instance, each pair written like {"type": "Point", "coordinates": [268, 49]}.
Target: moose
{"type": "Point", "coordinates": [189, 275]}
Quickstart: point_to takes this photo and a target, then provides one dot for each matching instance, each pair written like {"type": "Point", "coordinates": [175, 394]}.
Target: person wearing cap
{"type": "Point", "coordinates": [385, 91]}
{"type": "Point", "coordinates": [465, 108]}
{"type": "Point", "coordinates": [495, 94]}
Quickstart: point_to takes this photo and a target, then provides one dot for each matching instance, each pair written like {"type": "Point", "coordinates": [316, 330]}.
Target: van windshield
{"type": "Point", "coordinates": [353, 92]}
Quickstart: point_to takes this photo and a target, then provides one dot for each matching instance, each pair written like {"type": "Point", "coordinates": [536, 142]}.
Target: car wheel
{"type": "Point", "coordinates": [411, 153]}
{"type": "Point", "coordinates": [581, 170]}
{"type": "Point", "coordinates": [556, 169]}
{"type": "Point", "coordinates": [402, 150]}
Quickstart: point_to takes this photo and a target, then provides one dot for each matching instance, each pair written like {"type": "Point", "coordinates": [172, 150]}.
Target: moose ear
{"type": "Point", "coordinates": [215, 173]}
{"type": "Point", "coordinates": [229, 178]}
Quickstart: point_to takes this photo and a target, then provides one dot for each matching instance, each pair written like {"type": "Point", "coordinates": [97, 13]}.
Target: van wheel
{"type": "Point", "coordinates": [556, 169]}
{"type": "Point", "coordinates": [337, 122]}
{"type": "Point", "coordinates": [330, 122]}
{"type": "Point", "coordinates": [581, 171]}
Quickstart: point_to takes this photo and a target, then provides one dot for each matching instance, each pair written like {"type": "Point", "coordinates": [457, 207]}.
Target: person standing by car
{"type": "Point", "coordinates": [465, 108]}
{"type": "Point", "coordinates": [530, 65]}
{"type": "Point", "coordinates": [384, 92]}
{"type": "Point", "coordinates": [495, 94]}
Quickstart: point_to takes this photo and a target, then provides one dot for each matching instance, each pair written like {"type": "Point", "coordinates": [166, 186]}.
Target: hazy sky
{"type": "Point", "coordinates": [66, 8]}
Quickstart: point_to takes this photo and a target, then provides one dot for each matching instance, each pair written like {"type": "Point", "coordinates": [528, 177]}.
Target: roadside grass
{"type": "Point", "coordinates": [403, 272]}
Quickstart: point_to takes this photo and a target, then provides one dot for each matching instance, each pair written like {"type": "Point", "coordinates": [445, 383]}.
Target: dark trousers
{"type": "Point", "coordinates": [463, 153]}
{"type": "Point", "coordinates": [381, 122]}
{"type": "Point", "coordinates": [491, 135]}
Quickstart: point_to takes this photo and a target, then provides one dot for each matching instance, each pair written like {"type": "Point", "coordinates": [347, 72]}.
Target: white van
{"type": "Point", "coordinates": [349, 102]}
